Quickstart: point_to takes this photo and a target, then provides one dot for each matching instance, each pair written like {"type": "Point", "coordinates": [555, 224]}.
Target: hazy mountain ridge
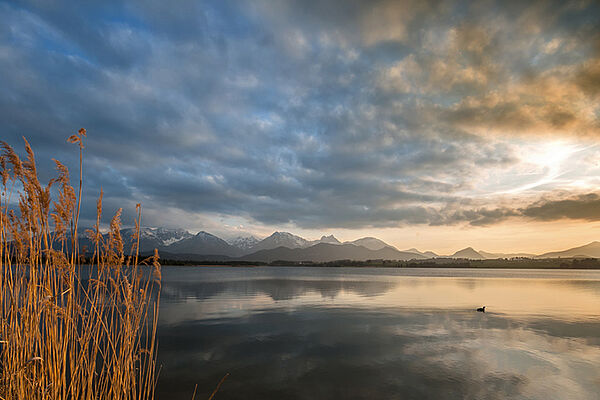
{"type": "Point", "coordinates": [370, 243]}
{"type": "Point", "coordinates": [204, 243]}
{"type": "Point", "coordinates": [278, 239]}
{"type": "Point", "coordinates": [243, 242]}
{"type": "Point", "coordinates": [469, 253]}
{"type": "Point", "coordinates": [151, 238]}
{"type": "Point", "coordinates": [589, 250]}
{"type": "Point", "coordinates": [428, 254]}
{"type": "Point", "coordinates": [178, 243]}
{"type": "Point", "coordinates": [505, 255]}
{"type": "Point", "coordinates": [289, 240]}
{"type": "Point", "coordinates": [325, 252]}
{"type": "Point", "coordinates": [328, 239]}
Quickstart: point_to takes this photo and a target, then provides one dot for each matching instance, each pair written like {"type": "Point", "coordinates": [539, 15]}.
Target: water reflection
{"type": "Point", "coordinates": [300, 333]}
{"type": "Point", "coordinates": [276, 289]}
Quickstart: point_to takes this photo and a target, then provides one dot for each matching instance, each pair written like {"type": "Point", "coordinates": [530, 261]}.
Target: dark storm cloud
{"type": "Point", "coordinates": [584, 207]}
{"type": "Point", "coordinates": [319, 114]}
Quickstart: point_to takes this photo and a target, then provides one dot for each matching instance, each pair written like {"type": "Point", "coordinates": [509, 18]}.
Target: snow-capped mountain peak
{"type": "Point", "coordinates": [329, 239]}
{"type": "Point", "coordinates": [204, 234]}
{"type": "Point", "coordinates": [243, 242]}
{"type": "Point", "coordinates": [281, 239]}
{"type": "Point", "coordinates": [203, 243]}
{"type": "Point", "coordinates": [164, 235]}
{"type": "Point", "coordinates": [151, 237]}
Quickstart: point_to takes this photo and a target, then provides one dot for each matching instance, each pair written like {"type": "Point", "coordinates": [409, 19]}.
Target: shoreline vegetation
{"type": "Point", "coordinates": [515, 263]}
{"type": "Point", "coordinates": [68, 331]}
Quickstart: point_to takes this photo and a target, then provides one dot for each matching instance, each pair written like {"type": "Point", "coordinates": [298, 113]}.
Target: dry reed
{"type": "Point", "coordinates": [70, 330]}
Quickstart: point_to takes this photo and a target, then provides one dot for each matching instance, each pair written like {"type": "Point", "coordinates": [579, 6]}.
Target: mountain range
{"type": "Point", "coordinates": [588, 250]}
{"type": "Point", "coordinates": [181, 244]}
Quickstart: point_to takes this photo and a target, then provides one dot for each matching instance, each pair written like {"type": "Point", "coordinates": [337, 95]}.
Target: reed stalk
{"type": "Point", "coordinates": [70, 330]}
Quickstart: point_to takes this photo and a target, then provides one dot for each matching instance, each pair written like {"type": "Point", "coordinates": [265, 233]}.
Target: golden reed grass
{"type": "Point", "coordinates": [68, 329]}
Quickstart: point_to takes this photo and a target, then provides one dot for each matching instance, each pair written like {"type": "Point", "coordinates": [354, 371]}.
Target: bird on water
{"type": "Point", "coordinates": [481, 309]}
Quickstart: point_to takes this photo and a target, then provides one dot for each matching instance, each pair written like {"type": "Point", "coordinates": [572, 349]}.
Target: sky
{"type": "Point", "coordinates": [428, 124]}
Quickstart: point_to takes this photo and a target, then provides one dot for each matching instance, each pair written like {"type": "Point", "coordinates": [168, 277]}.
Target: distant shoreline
{"type": "Point", "coordinates": [549, 264]}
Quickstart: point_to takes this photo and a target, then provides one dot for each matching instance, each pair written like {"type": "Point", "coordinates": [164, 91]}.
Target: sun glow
{"type": "Point", "coordinates": [545, 162]}
{"type": "Point", "coordinates": [552, 155]}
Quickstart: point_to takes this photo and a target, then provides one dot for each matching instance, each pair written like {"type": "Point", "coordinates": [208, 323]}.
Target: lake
{"type": "Point", "coordinates": [379, 333]}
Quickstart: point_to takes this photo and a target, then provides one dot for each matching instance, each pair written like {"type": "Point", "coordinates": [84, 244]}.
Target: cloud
{"type": "Point", "coordinates": [583, 207]}
{"type": "Point", "coordinates": [316, 114]}
{"type": "Point", "coordinates": [559, 206]}
{"type": "Point", "coordinates": [588, 77]}
{"type": "Point", "coordinates": [548, 104]}
{"type": "Point", "coordinates": [385, 21]}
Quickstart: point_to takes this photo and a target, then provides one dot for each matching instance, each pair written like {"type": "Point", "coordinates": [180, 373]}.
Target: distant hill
{"type": "Point", "coordinates": [324, 252]}
{"type": "Point", "coordinates": [468, 253]}
{"type": "Point", "coordinates": [204, 243]}
{"type": "Point", "coordinates": [505, 255]}
{"type": "Point", "coordinates": [165, 255]}
{"type": "Point", "coordinates": [370, 243]}
{"type": "Point", "coordinates": [589, 250]}
{"type": "Point", "coordinates": [286, 239]}
{"type": "Point", "coordinates": [428, 254]}
{"type": "Point", "coordinates": [473, 254]}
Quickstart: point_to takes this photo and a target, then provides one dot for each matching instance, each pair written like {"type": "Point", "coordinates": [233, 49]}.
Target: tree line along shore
{"type": "Point", "coordinates": [512, 263]}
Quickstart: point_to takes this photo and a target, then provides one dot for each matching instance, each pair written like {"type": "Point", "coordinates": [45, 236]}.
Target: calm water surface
{"type": "Point", "coordinates": [352, 333]}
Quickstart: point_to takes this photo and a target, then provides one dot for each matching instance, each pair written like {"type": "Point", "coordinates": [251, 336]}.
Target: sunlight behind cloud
{"type": "Point", "coordinates": [543, 163]}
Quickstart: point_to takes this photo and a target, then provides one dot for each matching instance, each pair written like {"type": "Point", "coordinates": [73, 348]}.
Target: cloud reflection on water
{"type": "Point", "coordinates": [355, 336]}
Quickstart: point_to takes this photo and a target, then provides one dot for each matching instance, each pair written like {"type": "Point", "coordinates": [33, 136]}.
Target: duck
{"type": "Point", "coordinates": [481, 309]}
